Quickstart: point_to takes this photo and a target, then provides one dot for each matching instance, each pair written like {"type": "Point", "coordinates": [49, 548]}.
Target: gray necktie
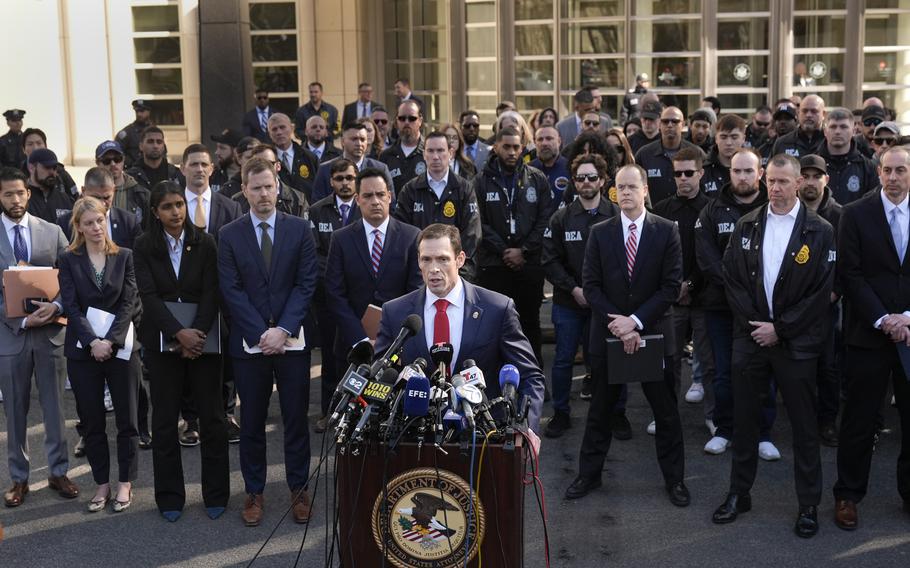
{"type": "Point", "coordinates": [285, 163]}
{"type": "Point", "coordinates": [266, 244]}
{"type": "Point", "coordinates": [897, 233]}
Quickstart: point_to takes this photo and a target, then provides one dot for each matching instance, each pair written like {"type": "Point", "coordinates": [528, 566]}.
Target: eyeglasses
{"type": "Point", "coordinates": [112, 160]}
{"type": "Point", "coordinates": [670, 121]}
{"type": "Point", "coordinates": [872, 122]}
{"type": "Point", "coordinates": [592, 123]}
{"type": "Point", "coordinates": [410, 118]}
{"type": "Point", "coordinates": [883, 141]}
{"type": "Point", "coordinates": [681, 173]}
{"type": "Point", "coordinates": [762, 124]}
{"type": "Point", "coordinates": [380, 121]}
{"type": "Point", "coordinates": [581, 178]}
{"type": "Point", "coordinates": [340, 179]}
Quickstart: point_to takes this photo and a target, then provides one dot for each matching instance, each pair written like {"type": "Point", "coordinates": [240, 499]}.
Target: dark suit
{"type": "Point", "coordinates": [117, 295]}
{"type": "Point", "coordinates": [322, 186]}
{"type": "Point", "coordinates": [875, 284]}
{"type": "Point", "coordinates": [258, 299]}
{"type": "Point", "coordinates": [223, 210]}
{"type": "Point", "coordinates": [252, 127]}
{"type": "Point", "coordinates": [648, 295]}
{"type": "Point", "coordinates": [351, 110]}
{"type": "Point", "coordinates": [329, 152]}
{"type": "Point", "coordinates": [170, 373]}
{"type": "Point", "coordinates": [491, 335]}
{"type": "Point", "coordinates": [125, 229]}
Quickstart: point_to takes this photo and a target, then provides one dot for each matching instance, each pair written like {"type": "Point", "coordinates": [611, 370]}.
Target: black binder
{"type": "Point", "coordinates": [185, 313]}
{"type": "Point", "coordinates": [644, 366]}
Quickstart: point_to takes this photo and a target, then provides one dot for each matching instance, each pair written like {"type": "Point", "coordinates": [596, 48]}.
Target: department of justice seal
{"type": "Point", "coordinates": [742, 72]}
{"type": "Point", "coordinates": [423, 518]}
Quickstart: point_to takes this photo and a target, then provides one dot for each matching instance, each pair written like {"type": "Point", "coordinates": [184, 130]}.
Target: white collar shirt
{"type": "Point", "coordinates": [9, 227]}
{"type": "Point", "coordinates": [454, 311]}
{"type": "Point", "coordinates": [175, 251]}
{"type": "Point", "coordinates": [439, 186]}
{"type": "Point", "coordinates": [778, 229]}
{"type": "Point", "coordinates": [383, 230]}
{"type": "Point", "coordinates": [271, 227]}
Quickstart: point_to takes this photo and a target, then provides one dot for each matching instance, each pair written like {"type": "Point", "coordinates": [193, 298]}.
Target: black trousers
{"type": "Point", "coordinates": [171, 375]}
{"type": "Point", "coordinates": [828, 375]}
{"type": "Point", "coordinates": [142, 420]}
{"type": "Point", "coordinates": [868, 374]}
{"type": "Point", "coordinates": [87, 379]}
{"type": "Point", "coordinates": [598, 435]}
{"type": "Point", "coordinates": [525, 287]}
{"type": "Point", "coordinates": [188, 409]}
{"type": "Point", "coordinates": [331, 361]}
{"type": "Point", "coordinates": [796, 380]}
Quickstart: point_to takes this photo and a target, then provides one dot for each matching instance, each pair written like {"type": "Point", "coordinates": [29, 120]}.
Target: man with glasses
{"type": "Point", "coordinates": [591, 122]}
{"type": "Point", "coordinates": [757, 131]}
{"type": "Point", "coordinates": [354, 147]}
{"type": "Point", "coordinates": [688, 315]}
{"type": "Point", "coordinates": [887, 134]}
{"type": "Point", "coordinates": [381, 117]}
{"type": "Point", "coordinates": [808, 136]}
{"type": "Point", "coordinates": [130, 194]}
{"type": "Point", "coordinates": [474, 148]}
{"type": "Point", "coordinates": [873, 114]}
{"type": "Point", "coordinates": [655, 158]}
{"type": "Point", "coordinates": [405, 158]}
{"type": "Point", "coordinates": [850, 174]}
{"type": "Point", "coordinates": [563, 256]}
{"type": "Point", "coordinates": [256, 121]}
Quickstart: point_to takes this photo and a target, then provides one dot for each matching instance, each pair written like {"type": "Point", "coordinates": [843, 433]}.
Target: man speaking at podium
{"type": "Point", "coordinates": [479, 324]}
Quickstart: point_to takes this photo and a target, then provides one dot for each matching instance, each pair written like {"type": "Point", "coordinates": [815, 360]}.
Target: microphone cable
{"type": "Point", "coordinates": [534, 480]}
{"type": "Point", "coordinates": [471, 511]}
{"type": "Point", "coordinates": [483, 450]}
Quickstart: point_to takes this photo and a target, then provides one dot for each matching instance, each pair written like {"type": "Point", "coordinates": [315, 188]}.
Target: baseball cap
{"type": "Point", "coordinates": [786, 109]}
{"type": "Point", "coordinates": [651, 110]}
{"type": "Point", "coordinates": [108, 146]}
{"type": "Point", "coordinates": [874, 111]}
{"type": "Point", "coordinates": [813, 161]}
{"type": "Point", "coordinates": [141, 104]}
{"type": "Point", "coordinates": [706, 114]}
{"type": "Point", "coordinates": [887, 125]}
{"type": "Point", "coordinates": [642, 77]}
{"type": "Point", "coordinates": [246, 143]}
{"type": "Point", "coordinates": [44, 157]}
{"type": "Point", "coordinates": [14, 114]}
{"type": "Point", "coordinates": [228, 137]}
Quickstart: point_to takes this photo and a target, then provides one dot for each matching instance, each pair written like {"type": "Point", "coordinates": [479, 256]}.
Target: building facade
{"type": "Point", "coordinates": [199, 61]}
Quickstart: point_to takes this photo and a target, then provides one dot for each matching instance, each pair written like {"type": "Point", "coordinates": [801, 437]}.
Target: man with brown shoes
{"type": "Point", "coordinates": [31, 344]}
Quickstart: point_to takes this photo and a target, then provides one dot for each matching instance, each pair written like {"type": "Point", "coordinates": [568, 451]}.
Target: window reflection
{"type": "Point", "coordinates": [812, 70]}
{"type": "Point", "coordinates": [276, 79]}
{"type": "Point", "coordinates": [534, 76]}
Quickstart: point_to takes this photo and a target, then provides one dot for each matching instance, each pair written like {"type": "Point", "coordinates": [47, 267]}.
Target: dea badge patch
{"type": "Point", "coordinates": [422, 517]}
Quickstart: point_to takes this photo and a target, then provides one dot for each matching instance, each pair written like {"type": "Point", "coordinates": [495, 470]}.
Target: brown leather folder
{"type": "Point", "coordinates": [21, 283]}
{"type": "Point", "coordinates": [370, 320]}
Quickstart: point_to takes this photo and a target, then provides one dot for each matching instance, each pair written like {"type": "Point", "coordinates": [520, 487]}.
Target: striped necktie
{"type": "Point", "coordinates": [376, 253]}
{"type": "Point", "coordinates": [631, 248]}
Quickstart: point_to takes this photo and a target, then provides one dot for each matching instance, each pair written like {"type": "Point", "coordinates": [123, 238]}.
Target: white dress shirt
{"type": "Point", "coordinates": [9, 227]}
{"type": "Point", "coordinates": [383, 230]}
{"type": "Point", "coordinates": [438, 186]}
{"type": "Point", "coordinates": [271, 230]}
{"type": "Point", "coordinates": [904, 218]}
{"type": "Point", "coordinates": [639, 223]}
{"type": "Point", "coordinates": [175, 251]}
{"type": "Point", "coordinates": [318, 150]}
{"type": "Point", "coordinates": [454, 311]}
{"type": "Point", "coordinates": [206, 197]}
{"type": "Point", "coordinates": [778, 229]}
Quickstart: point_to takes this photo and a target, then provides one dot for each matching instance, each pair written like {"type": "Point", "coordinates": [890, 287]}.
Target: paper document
{"type": "Point", "coordinates": [101, 322]}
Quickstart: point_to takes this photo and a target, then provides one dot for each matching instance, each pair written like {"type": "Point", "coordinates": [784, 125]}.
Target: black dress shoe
{"type": "Point", "coordinates": [679, 494]}
{"type": "Point", "coordinates": [145, 441]}
{"type": "Point", "coordinates": [828, 434]}
{"type": "Point", "coordinates": [79, 451]}
{"type": "Point", "coordinates": [806, 522]}
{"type": "Point", "coordinates": [581, 487]}
{"type": "Point", "coordinates": [621, 427]}
{"type": "Point", "coordinates": [731, 508]}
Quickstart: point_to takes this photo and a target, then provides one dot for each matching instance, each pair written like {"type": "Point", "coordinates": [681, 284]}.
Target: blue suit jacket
{"type": "Point", "coordinates": [350, 283]}
{"type": "Point", "coordinates": [322, 188]}
{"type": "Point", "coordinates": [125, 229]}
{"type": "Point", "coordinates": [256, 298]}
{"type": "Point", "coordinates": [491, 335]}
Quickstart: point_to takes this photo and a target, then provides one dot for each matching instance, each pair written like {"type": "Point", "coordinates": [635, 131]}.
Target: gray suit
{"type": "Point", "coordinates": [568, 128]}
{"type": "Point", "coordinates": [27, 351]}
{"type": "Point", "coordinates": [483, 152]}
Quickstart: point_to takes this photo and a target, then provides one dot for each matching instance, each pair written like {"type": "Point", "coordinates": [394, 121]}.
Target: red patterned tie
{"type": "Point", "coordinates": [631, 248]}
{"type": "Point", "coordinates": [441, 322]}
{"type": "Point", "coordinates": [376, 254]}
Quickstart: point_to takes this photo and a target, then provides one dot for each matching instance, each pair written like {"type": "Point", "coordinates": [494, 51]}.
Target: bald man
{"type": "Point", "coordinates": [656, 156]}
{"type": "Point", "coordinates": [808, 136]}
{"type": "Point", "coordinates": [298, 164]}
{"type": "Point", "coordinates": [317, 140]}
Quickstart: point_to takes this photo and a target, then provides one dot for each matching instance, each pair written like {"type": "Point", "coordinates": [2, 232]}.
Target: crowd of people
{"type": "Point", "coordinates": [767, 252]}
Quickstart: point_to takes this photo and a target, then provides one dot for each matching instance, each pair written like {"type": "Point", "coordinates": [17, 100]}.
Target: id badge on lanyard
{"type": "Point", "coordinates": [513, 224]}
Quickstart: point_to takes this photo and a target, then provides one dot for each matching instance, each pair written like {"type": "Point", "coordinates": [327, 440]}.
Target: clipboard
{"type": "Point", "coordinates": [370, 321]}
{"type": "Point", "coordinates": [185, 313]}
{"type": "Point", "coordinates": [644, 366]}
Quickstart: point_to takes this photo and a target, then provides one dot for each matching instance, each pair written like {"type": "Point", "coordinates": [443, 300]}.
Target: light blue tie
{"type": "Point", "coordinates": [897, 234]}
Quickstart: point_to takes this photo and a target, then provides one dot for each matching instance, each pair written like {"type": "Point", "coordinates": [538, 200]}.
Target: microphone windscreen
{"type": "Point", "coordinates": [509, 375]}
{"type": "Point", "coordinates": [389, 376]}
{"type": "Point", "coordinates": [442, 353]}
{"type": "Point", "coordinates": [417, 396]}
{"type": "Point", "coordinates": [414, 323]}
{"type": "Point", "coordinates": [361, 353]}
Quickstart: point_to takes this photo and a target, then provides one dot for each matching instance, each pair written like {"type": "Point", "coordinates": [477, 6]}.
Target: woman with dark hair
{"type": "Point", "coordinates": [459, 162]}
{"type": "Point", "coordinates": [177, 275]}
{"type": "Point", "coordinates": [101, 304]}
{"type": "Point", "coordinates": [620, 143]}
{"type": "Point", "coordinates": [374, 138]}
{"type": "Point", "coordinates": [547, 117]}
{"type": "Point", "coordinates": [631, 127]}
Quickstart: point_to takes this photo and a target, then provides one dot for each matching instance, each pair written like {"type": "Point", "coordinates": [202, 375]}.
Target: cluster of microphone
{"type": "Point", "coordinates": [385, 401]}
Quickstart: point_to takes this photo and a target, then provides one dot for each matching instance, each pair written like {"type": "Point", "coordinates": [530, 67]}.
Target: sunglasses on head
{"type": "Point", "coordinates": [342, 178]}
{"type": "Point", "coordinates": [670, 121]}
{"type": "Point", "coordinates": [112, 160]}
{"type": "Point", "coordinates": [581, 178]}
{"type": "Point", "coordinates": [872, 122]}
{"type": "Point", "coordinates": [681, 173]}
{"type": "Point", "coordinates": [882, 141]}
{"type": "Point", "coordinates": [410, 118]}
{"type": "Point", "coordinates": [380, 121]}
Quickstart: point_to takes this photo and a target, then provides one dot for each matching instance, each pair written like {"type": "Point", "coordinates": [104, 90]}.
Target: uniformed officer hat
{"type": "Point", "coordinates": [228, 137]}
{"type": "Point", "coordinates": [108, 146]}
{"type": "Point", "coordinates": [643, 78]}
{"type": "Point", "coordinates": [14, 114]}
{"type": "Point", "coordinates": [141, 104]}
{"type": "Point", "coordinates": [813, 162]}
{"type": "Point", "coordinates": [44, 157]}
{"type": "Point", "coordinates": [785, 109]}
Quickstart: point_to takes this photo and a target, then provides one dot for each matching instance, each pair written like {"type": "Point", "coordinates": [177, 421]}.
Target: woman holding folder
{"type": "Point", "coordinates": [177, 273]}
{"type": "Point", "coordinates": [101, 302]}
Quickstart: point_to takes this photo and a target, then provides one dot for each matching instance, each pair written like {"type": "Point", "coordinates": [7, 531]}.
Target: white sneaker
{"type": "Point", "coordinates": [108, 403]}
{"type": "Point", "coordinates": [68, 386]}
{"type": "Point", "coordinates": [652, 428]}
{"type": "Point", "coordinates": [717, 445]}
{"type": "Point", "coordinates": [710, 425]}
{"type": "Point", "coordinates": [768, 452]}
{"type": "Point", "coordinates": [696, 393]}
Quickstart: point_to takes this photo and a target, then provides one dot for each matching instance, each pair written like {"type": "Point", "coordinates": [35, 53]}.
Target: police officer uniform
{"type": "Point", "coordinates": [514, 212]}
{"type": "Point", "coordinates": [657, 162]}
{"type": "Point", "coordinates": [715, 177]}
{"type": "Point", "coordinates": [11, 152]}
{"type": "Point", "coordinates": [798, 307]}
{"type": "Point", "coordinates": [130, 136]}
{"type": "Point", "coordinates": [148, 178]}
{"type": "Point", "coordinates": [403, 168]}
{"type": "Point", "coordinates": [328, 113]}
{"type": "Point", "coordinates": [797, 144]}
{"type": "Point", "coordinates": [631, 100]}
{"type": "Point", "coordinates": [850, 176]}
{"type": "Point", "coordinates": [417, 204]}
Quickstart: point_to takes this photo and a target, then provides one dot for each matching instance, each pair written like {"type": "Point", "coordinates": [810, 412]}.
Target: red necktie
{"type": "Point", "coordinates": [441, 322]}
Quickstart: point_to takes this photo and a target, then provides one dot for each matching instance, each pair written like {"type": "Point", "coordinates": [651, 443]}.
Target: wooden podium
{"type": "Point", "coordinates": [430, 537]}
